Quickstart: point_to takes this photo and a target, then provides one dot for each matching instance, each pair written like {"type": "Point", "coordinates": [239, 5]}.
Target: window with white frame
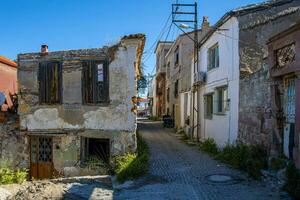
{"type": "Point", "coordinates": [220, 100]}
{"type": "Point", "coordinates": [213, 57]}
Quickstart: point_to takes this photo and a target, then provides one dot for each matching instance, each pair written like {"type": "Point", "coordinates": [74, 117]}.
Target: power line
{"type": "Point", "coordinates": [162, 32]}
{"type": "Point", "coordinates": [164, 43]}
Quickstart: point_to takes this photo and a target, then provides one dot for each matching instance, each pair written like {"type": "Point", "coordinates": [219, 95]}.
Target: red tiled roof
{"type": "Point", "coordinates": [8, 61]}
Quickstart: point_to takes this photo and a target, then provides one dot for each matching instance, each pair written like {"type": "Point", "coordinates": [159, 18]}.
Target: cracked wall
{"type": "Point", "coordinates": [256, 125]}
{"type": "Point", "coordinates": [71, 120]}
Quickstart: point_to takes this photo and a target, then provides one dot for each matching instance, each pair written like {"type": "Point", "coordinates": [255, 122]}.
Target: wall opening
{"type": "Point", "coordinates": [96, 148]}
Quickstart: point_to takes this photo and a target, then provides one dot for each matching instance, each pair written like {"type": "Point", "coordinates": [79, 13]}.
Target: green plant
{"type": "Point", "coordinates": [248, 158]}
{"type": "Point", "coordinates": [154, 118]}
{"type": "Point", "coordinates": [133, 165]}
{"type": "Point", "coordinates": [209, 146]}
{"type": "Point", "coordinates": [277, 163]}
{"type": "Point", "coordinates": [20, 175]}
{"type": "Point", "coordinates": [292, 185]}
{"type": "Point", "coordinates": [9, 176]}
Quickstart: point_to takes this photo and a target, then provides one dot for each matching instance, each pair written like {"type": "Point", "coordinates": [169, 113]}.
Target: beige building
{"type": "Point", "coordinates": [161, 51]}
{"type": "Point", "coordinates": [179, 61]}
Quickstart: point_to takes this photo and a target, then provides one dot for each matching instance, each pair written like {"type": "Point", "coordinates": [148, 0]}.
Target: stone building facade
{"type": "Point", "coordinates": [161, 50]}
{"type": "Point", "coordinates": [284, 68]}
{"type": "Point", "coordinates": [79, 105]}
{"type": "Point", "coordinates": [256, 121]}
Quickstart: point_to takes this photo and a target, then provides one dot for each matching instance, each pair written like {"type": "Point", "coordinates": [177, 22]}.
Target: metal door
{"type": "Point", "coordinates": [289, 108]}
{"type": "Point", "coordinates": [41, 162]}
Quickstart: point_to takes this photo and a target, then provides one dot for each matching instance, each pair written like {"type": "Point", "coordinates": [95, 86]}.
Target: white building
{"type": "Point", "coordinates": [217, 85]}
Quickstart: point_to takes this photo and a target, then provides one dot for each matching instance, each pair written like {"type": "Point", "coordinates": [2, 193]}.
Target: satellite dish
{"type": "Point", "coordinates": [2, 98]}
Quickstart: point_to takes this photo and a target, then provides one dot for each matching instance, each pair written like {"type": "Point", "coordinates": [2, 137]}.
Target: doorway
{"type": "Point", "coordinates": [41, 157]}
{"type": "Point", "coordinates": [289, 108]}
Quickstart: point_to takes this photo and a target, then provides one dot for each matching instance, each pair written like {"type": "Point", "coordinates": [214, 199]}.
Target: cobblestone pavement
{"type": "Point", "coordinates": [179, 171]}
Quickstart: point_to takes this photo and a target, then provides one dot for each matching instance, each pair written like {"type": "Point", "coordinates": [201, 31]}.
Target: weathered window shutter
{"type": "Point", "coordinates": [50, 82]}
{"type": "Point", "coordinates": [95, 87]}
{"type": "Point", "coordinates": [42, 82]}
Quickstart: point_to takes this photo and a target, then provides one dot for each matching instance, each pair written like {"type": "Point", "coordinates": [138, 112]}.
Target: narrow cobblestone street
{"type": "Point", "coordinates": [178, 171]}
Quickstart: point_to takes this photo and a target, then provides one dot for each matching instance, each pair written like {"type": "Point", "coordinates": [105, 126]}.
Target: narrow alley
{"type": "Point", "coordinates": [178, 171]}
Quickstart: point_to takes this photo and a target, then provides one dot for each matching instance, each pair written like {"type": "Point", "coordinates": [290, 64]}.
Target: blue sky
{"type": "Point", "coordinates": [75, 24]}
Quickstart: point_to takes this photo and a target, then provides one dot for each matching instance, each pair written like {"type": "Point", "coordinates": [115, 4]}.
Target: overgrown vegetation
{"type": "Point", "coordinates": [9, 176]}
{"type": "Point", "coordinates": [278, 163]}
{"type": "Point", "coordinates": [248, 158]}
{"type": "Point", "coordinates": [133, 165]}
{"type": "Point", "coordinates": [154, 118]}
{"type": "Point", "coordinates": [209, 146]}
{"type": "Point", "coordinates": [292, 185]}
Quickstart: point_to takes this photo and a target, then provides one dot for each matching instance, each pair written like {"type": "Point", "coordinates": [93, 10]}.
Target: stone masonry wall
{"type": "Point", "coordinates": [256, 124]}
{"type": "Point", "coordinates": [71, 121]}
{"type": "Point", "coordinates": [14, 146]}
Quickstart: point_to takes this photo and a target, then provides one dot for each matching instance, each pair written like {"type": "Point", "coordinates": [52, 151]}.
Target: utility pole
{"type": "Point", "coordinates": [176, 10]}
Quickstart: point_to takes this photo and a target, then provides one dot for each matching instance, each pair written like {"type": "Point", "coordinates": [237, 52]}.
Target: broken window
{"type": "Point", "coordinates": [50, 82]}
{"type": "Point", "coordinates": [213, 57]}
{"type": "Point", "coordinates": [95, 149]}
{"type": "Point", "coordinates": [95, 82]}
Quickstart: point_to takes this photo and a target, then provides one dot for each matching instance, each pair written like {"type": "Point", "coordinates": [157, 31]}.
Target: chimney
{"type": "Point", "coordinates": [205, 23]}
{"type": "Point", "coordinates": [44, 50]}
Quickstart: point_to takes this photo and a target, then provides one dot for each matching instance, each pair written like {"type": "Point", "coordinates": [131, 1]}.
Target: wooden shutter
{"type": "Point", "coordinates": [42, 82]}
{"type": "Point", "coordinates": [87, 82]}
{"type": "Point", "coordinates": [50, 82]}
{"type": "Point", "coordinates": [94, 91]}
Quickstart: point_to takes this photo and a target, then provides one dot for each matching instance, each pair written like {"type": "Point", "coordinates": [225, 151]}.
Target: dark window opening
{"type": "Point", "coordinates": [50, 82]}
{"type": "Point", "coordinates": [176, 61]}
{"type": "Point", "coordinates": [208, 100]}
{"type": "Point", "coordinates": [176, 89]}
{"type": "Point", "coordinates": [96, 149]}
{"type": "Point", "coordinates": [95, 87]}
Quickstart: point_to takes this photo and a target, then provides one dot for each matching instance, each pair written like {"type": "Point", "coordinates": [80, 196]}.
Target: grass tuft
{"type": "Point", "coordinates": [154, 118]}
{"type": "Point", "coordinates": [209, 146]}
{"type": "Point", "coordinates": [133, 165]}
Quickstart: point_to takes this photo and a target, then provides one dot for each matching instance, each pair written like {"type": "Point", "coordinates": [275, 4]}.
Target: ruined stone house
{"type": "Point", "coordinates": [78, 105]}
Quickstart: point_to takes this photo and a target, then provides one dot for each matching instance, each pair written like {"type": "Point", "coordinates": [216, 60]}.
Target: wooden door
{"type": "Point", "coordinates": [41, 162]}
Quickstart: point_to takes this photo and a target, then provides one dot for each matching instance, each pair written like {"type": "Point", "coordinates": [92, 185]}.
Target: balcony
{"type": "Point", "coordinates": [199, 78]}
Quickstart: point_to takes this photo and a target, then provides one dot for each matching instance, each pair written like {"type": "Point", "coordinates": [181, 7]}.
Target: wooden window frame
{"type": "Point", "coordinates": [95, 92]}
{"type": "Point", "coordinates": [45, 84]}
